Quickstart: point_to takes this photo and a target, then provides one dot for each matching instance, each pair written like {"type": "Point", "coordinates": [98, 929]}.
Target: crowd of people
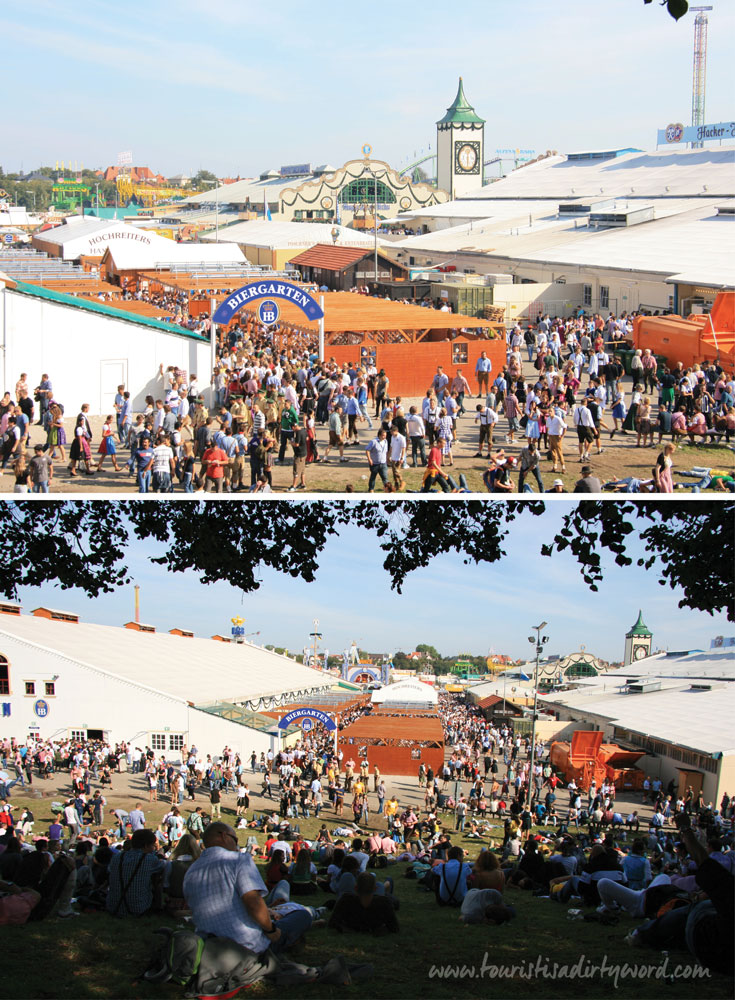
{"type": "Point", "coordinates": [272, 398]}
{"type": "Point", "coordinates": [672, 871]}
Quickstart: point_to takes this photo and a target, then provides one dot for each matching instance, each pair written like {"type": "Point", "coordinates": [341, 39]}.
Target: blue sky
{"type": "Point", "coordinates": [451, 606]}
{"type": "Point", "coordinates": [239, 87]}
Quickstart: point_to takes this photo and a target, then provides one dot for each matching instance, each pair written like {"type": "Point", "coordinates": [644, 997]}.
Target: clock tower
{"type": "Point", "coordinates": [460, 148]}
{"type": "Point", "coordinates": [637, 642]}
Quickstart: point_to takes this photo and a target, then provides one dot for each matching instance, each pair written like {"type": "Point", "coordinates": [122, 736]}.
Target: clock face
{"type": "Point", "coordinates": [467, 158]}
{"type": "Point", "coordinates": [639, 652]}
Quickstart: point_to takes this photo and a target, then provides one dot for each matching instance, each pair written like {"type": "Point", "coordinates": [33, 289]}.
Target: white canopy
{"type": "Point", "coordinates": [411, 691]}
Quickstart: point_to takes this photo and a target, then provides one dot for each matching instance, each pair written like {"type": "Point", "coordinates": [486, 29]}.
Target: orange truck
{"type": "Point", "coordinates": [698, 339]}
{"type": "Point", "coordinates": [587, 757]}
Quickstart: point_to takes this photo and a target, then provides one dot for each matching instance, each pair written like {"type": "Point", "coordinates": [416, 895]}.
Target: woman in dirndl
{"type": "Point", "coordinates": [631, 417]}
{"type": "Point", "coordinates": [533, 430]}
{"type": "Point", "coordinates": [80, 451]}
{"type": "Point", "coordinates": [618, 411]}
{"type": "Point", "coordinates": [56, 438]}
{"type": "Point", "coordinates": [107, 445]}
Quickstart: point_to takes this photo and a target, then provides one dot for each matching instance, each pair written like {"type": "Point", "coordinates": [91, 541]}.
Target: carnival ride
{"type": "Point", "coordinates": [146, 194]}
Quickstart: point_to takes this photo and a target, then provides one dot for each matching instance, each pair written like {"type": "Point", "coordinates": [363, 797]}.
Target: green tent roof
{"type": "Point", "coordinates": [639, 628]}
{"type": "Point", "coordinates": [460, 110]}
{"type": "Point", "coordinates": [40, 292]}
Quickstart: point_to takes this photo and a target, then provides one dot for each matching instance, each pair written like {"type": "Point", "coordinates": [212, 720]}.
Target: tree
{"type": "Point", "coordinates": [429, 651]}
{"type": "Point", "coordinates": [203, 179]}
{"type": "Point", "coordinates": [676, 8]}
{"type": "Point", "coordinates": [83, 544]}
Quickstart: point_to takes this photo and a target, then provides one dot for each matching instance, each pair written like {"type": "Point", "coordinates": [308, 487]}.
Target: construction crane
{"type": "Point", "coordinates": [700, 69]}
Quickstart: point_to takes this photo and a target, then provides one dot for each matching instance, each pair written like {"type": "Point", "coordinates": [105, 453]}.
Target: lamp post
{"type": "Point", "coordinates": [216, 208]}
{"type": "Point", "coordinates": [375, 224]}
{"type": "Point", "coordinates": [540, 642]}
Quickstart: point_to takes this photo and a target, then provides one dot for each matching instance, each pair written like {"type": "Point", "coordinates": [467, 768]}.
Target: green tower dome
{"type": "Point", "coordinates": [639, 628]}
{"type": "Point", "coordinates": [461, 111]}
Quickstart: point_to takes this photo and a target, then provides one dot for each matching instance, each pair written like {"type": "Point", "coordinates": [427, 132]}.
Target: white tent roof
{"type": "Point", "coordinates": [128, 256]}
{"type": "Point", "coordinates": [91, 237]}
{"type": "Point", "coordinates": [254, 189]}
{"type": "Point", "coordinates": [685, 236]}
{"type": "Point", "coordinates": [18, 216]}
{"type": "Point", "coordinates": [694, 706]}
{"type": "Point", "coordinates": [282, 235]}
{"type": "Point", "coordinates": [673, 172]}
{"type": "Point", "coordinates": [409, 691]}
{"type": "Point", "coordinates": [201, 671]}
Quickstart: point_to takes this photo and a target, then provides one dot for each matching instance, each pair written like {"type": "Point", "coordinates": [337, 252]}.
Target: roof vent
{"type": "Point", "coordinates": [138, 627]}
{"type": "Point", "coordinates": [221, 638]}
{"type": "Point", "coordinates": [56, 616]}
{"type": "Point", "coordinates": [641, 687]}
{"type": "Point", "coordinates": [181, 631]}
{"type": "Point", "coordinates": [621, 218]}
{"type": "Point", "coordinates": [8, 608]}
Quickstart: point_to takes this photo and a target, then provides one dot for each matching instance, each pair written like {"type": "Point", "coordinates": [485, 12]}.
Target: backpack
{"type": "Point", "coordinates": [212, 966]}
{"type": "Point", "coordinates": [206, 966]}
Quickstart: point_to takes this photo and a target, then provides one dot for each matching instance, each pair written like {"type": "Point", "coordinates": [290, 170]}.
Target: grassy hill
{"type": "Point", "coordinates": [433, 956]}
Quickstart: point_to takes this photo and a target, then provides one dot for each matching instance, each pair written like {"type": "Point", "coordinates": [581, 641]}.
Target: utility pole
{"type": "Point", "coordinates": [540, 642]}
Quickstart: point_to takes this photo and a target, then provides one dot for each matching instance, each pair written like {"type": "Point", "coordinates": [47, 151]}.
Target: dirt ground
{"type": "Point", "coordinates": [620, 458]}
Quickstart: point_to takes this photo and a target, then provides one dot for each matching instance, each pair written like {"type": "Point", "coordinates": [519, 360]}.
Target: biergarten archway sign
{"type": "Point", "coordinates": [268, 289]}
{"type": "Point", "coordinates": [308, 716]}
{"type": "Point", "coordinates": [268, 310]}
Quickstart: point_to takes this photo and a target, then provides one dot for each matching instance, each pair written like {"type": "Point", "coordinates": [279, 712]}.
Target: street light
{"type": "Point", "coordinates": [540, 642]}
{"type": "Point", "coordinates": [216, 211]}
{"type": "Point", "coordinates": [367, 150]}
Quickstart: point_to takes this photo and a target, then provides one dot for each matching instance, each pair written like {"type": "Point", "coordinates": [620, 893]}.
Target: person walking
{"type": "Point", "coordinates": [556, 428]}
{"type": "Point", "coordinates": [107, 445]}
{"type": "Point", "coordinates": [482, 370]}
{"type": "Point", "coordinates": [397, 450]}
{"type": "Point", "coordinates": [529, 463]}
{"type": "Point", "coordinates": [41, 470]}
{"type": "Point", "coordinates": [299, 443]}
{"type": "Point", "coordinates": [377, 457]}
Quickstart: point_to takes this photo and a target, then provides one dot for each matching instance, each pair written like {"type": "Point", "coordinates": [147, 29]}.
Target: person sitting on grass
{"type": "Point", "coordinates": [134, 874]}
{"type": "Point", "coordinates": [487, 873]}
{"type": "Point", "coordinates": [182, 858]}
{"type": "Point", "coordinates": [485, 906]}
{"type": "Point", "coordinates": [302, 874]}
{"type": "Point", "coordinates": [528, 874]}
{"type": "Point", "coordinates": [364, 910]}
{"type": "Point", "coordinates": [276, 871]}
{"type": "Point", "coordinates": [347, 878]}
{"type": "Point", "coordinates": [328, 882]}
{"type": "Point", "coordinates": [452, 878]}
{"type": "Point", "coordinates": [226, 895]}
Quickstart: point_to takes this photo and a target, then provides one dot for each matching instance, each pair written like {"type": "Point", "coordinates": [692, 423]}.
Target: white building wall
{"type": "Point", "coordinates": [714, 784]}
{"type": "Point", "coordinates": [87, 699]}
{"type": "Point", "coordinates": [87, 355]}
{"type": "Point", "coordinates": [444, 161]}
{"type": "Point", "coordinates": [626, 291]}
